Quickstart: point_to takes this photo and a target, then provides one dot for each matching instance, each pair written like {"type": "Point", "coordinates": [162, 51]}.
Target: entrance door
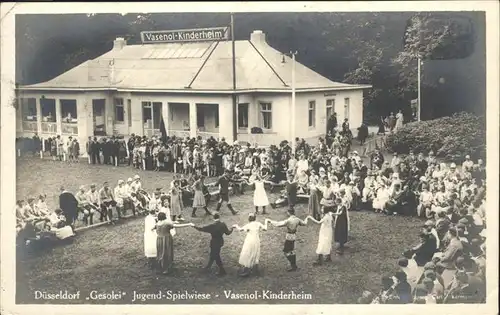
{"type": "Point", "coordinates": [151, 117]}
{"type": "Point", "coordinates": [99, 117]}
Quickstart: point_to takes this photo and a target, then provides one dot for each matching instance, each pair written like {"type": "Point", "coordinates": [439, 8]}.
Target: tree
{"type": "Point", "coordinates": [430, 36]}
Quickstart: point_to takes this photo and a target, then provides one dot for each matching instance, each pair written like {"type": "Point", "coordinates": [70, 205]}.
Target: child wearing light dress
{"type": "Point", "coordinates": [324, 248]}
{"type": "Point", "coordinates": [250, 252]}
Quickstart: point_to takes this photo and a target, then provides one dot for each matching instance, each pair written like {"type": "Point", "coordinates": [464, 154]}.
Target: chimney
{"type": "Point", "coordinates": [119, 43]}
{"type": "Point", "coordinates": [258, 37]}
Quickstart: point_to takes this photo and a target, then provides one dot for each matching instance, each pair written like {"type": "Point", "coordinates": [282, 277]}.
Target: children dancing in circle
{"type": "Point", "coordinates": [250, 252]}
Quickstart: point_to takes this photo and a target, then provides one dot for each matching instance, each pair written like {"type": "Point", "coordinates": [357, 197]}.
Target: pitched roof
{"type": "Point", "coordinates": [200, 66]}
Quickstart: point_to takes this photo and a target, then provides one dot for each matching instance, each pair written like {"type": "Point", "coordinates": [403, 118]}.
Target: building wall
{"type": "Point", "coordinates": [182, 115]}
{"type": "Point", "coordinates": [84, 114]}
{"type": "Point", "coordinates": [282, 117]}
{"type": "Point", "coordinates": [355, 112]}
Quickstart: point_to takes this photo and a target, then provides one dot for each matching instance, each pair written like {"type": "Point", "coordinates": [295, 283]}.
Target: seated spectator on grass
{"type": "Point", "coordinates": [387, 294]}
{"type": "Point", "coordinates": [57, 219]}
{"type": "Point", "coordinates": [424, 251]}
{"type": "Point", "coordinates": [41, 207]}
{"type": "Point", "coordinates": [403, 288]}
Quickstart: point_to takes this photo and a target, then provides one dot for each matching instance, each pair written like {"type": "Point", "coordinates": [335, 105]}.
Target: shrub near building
{"type": "Point", "coordinates": [451, 138]}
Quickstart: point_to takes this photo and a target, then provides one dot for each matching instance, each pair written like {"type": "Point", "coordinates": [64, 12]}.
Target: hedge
{"type": "Point", "coordinates": [451, 138]}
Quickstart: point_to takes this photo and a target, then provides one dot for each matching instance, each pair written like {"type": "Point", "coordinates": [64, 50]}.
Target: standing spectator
{"type": "Point", "coordinates": [69, 206]}
{"type": "Point", "coordinates": [391, 120]}
{"type": "Point", "coordinates": [115, 152]}
{"type": "Point", "coordinates": [362, 133]}
{"type": "Point", "coordinates": [345, 126]}
{"type": "Point", "coordinates": [130, 147]}
{"type": "Point", "coordinates": [54, 149]}
{"type": "Point", "coordinates": [60, 148]}
{"type": "Point", "coordinates": [105, 150]}
{"type": "Point", "coordinates": [75, 150]}
{"type": "Point", "coordinates": [381, 126]}
{"type": "Point", "coordinates": [331, 124]}
{"type": "Point", "coordinates": [399, 121]}
{"type": "Point", "coordinates": [89, 148]}
{"type": "Point", "coordinates": [37, 144]}
{"type": "Point", "coordinates": [96, 151]}
{"type": "Point", "coordinates": [68, 150]}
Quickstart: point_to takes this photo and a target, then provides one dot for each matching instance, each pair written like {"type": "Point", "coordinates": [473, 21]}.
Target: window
{"type": "Point", "coordinates": [243, 115]}
{"type": "Point", "coordinates": [312, 113]}
{"type": "Point", "coordinates": [200, 117]}
{"type": "Point", "coordinates": [330, 107]}
{"type": "Point", "coordinates": [99, 114]}
{"type": "Point", "coordinates": [119, 110]}
{"type": "Point", "coordinates": [346, 107]}
{"type": "Point", "coordinates": [266, 115]}
{"type": "Point", "coordinates": [68, 111]}
{"type": "Point", "coordinates": [28, 106]}
{"type": "Point", "coordinates": [48, 107]}
{"type": "Point", "coordinates": [151, 114]}
{"type": "Point", "coordinates": [147, 114]}
{"type": "Point", "coordinates": [216, 114]}
{"type": "Point", "coordinates": [129, 112]}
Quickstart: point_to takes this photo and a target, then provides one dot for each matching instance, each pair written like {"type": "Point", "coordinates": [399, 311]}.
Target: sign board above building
{"type": "Point", "coordinates": [191, 35]}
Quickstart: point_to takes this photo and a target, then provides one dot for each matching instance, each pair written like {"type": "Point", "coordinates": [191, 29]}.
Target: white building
{"type": "Point", "coordinates": [131, 88]}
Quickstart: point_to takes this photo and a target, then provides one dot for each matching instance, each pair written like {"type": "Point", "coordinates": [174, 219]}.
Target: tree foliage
{"type": "Point", "coordinates": [366, 48]}
{"type": "Point", "coordinates": [468, 137]}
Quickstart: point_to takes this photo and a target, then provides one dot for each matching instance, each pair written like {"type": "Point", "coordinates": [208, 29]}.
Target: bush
{"type": "Point", "coordinates": [451, 138]}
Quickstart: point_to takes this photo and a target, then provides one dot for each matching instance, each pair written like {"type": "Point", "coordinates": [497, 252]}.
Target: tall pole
{"type": "Point", "coordinates": [419, 69]}
{"type": "Point", "coordinates": [293, 103]}
{"type": "Point", "coordinates": [235, 106]}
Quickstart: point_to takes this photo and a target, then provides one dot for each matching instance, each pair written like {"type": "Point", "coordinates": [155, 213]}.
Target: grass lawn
{"type": "Point", "coordinates": [111, 257]}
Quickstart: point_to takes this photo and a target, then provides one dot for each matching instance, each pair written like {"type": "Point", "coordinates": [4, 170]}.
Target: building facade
{"type": "Point", "coordinates": [188, 86]}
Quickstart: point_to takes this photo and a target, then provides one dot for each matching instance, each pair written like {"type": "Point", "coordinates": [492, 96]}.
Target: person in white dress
{"type": "Point", "coordinates": [399, 121]}
{"type": "Point", "coordinates": [250, 252]}
{"type": "Point", "coordinates": [150, 238]}
{"type": "Point", "coordinates": [325, 236]}
{"type": "Point", "coordinates": [382, 197]}
{"type": "Point", "coordinates": [259, 195]}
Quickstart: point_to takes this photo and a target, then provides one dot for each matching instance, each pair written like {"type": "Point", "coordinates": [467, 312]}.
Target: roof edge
{"type": "Point", "coordinates": [203, 91]}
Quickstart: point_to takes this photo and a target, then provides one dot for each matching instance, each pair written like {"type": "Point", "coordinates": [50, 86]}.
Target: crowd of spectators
{"type": "Point", "coordinates": [447, 265]}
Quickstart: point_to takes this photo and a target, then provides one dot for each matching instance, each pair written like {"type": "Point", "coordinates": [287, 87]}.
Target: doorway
{"type": "Point", "coordinates": [99, 117]}
{"type": "Point", "coordinates": [151, 118]}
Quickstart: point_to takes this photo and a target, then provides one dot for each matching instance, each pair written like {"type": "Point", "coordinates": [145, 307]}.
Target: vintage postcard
{"type": "Point", "coordinates": [288, 157]}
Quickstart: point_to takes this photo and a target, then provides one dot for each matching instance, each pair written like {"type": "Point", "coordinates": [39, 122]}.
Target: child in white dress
{"type": "Point", "coordinates": [259, 195]}
{"type": "Point", "coordinates": [325, 236]}
{"type": "Point", "coordinates": [250, 252]}
{"type": "Point", "coordinates": [380, 201]}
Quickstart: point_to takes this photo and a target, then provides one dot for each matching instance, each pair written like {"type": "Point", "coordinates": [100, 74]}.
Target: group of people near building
{"type": "Point", "coordinates": [330, 178]}
{"type": "Point", "coordinates": [58, 148]}
{"type": "Point", "coordinates": [391, 123]}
